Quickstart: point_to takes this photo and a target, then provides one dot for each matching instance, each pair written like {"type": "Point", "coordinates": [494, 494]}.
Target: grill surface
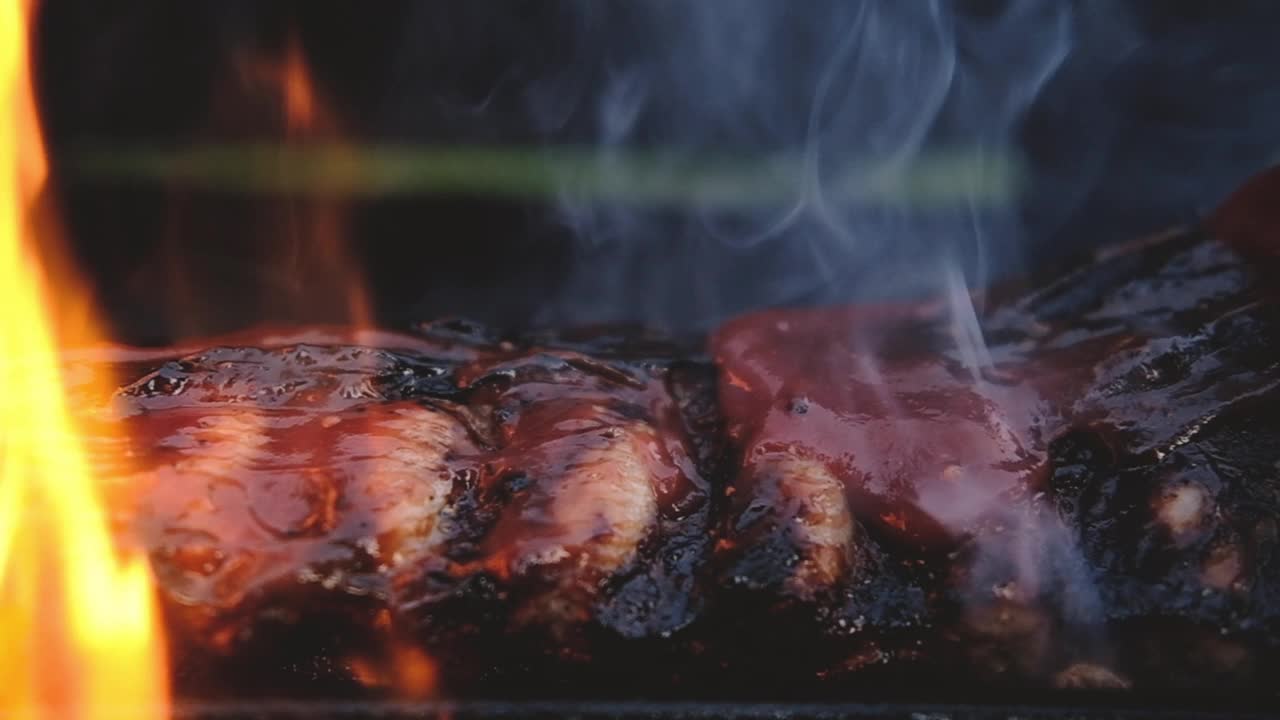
{"type": "Point", "coordinates": [779, 711]}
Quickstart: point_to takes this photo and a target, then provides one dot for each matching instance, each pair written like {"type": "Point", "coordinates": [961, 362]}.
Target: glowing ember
{"type": "Point", "coordinates": [78, 619]}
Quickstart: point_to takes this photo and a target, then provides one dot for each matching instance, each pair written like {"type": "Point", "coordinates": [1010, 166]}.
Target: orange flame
{"type": "Point", "coordinates": [318, 227]}
{"type": "Point", "coordinates": [302, 270]}
{"type": "Point", "coordinates": [79, 622]}
{"type": "Point", "coordinates": [311, 256]}
{"type": "Point", "coordinates": [302, 110]}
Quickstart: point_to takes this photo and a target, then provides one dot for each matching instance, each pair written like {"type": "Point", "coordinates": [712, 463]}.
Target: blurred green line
{"type": "Point", "coordinates": [936, 179]}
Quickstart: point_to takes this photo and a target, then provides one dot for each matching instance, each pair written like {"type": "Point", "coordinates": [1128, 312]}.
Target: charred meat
{"type": "Point", "coordinates": [1100, 474]}
{"type": "Point", "coordinates": [1071, 484]}
{"type": "Point", "coordinates": [317, 501]}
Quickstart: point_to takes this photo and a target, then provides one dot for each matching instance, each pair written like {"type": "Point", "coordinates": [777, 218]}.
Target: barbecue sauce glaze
{"type": "Point", "coordinates": [838, 501]}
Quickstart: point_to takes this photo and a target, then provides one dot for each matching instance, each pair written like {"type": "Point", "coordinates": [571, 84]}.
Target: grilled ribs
{"type": "Point", "coordinates": [1074, 486]}
{"type": "Point", "coordinates": [326, 502]}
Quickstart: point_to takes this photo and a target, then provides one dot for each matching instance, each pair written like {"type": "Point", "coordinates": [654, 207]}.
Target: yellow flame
{"type": "Point", "coordinates": [78, 620]}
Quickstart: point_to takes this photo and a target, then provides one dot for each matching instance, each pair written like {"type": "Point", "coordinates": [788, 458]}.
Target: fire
{"type": "Point", "coordinates": [303, 270]}
{"type": "Point", "coordinates": [315, 255]}
{"type": "Point", "coordinates": [77, 615]}
{"type": "Point", "coordinates": [302, 110]}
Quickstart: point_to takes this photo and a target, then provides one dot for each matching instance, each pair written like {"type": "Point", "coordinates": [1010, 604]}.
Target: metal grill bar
{"type": "Point", "coordinates": [300, 710]}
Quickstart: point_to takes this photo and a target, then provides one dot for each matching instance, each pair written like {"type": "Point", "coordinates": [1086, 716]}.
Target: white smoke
{"type": "Point", "coordinates": [869, 112]}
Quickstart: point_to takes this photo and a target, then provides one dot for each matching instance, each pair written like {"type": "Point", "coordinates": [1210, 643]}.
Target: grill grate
{"type": "Point", "coordinates": [300, 710]}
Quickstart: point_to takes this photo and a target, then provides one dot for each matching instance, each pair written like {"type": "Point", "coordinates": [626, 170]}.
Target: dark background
{"type": "Point", "coordinates": [1156, 110]}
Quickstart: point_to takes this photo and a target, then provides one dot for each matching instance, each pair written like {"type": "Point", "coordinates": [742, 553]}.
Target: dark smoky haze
{"type": "Point", "coordinates": [693, 160]}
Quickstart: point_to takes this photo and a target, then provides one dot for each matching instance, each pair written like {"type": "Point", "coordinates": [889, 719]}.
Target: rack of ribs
{"type": "Point", "coordinates": [1074, 486]}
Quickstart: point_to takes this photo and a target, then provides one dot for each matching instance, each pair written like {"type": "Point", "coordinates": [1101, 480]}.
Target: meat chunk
{"type": "Point", "coordinates": [1162, 459]}
{"type": "Point", "coordinates": [326, 504]}
{"type": "Point", "coordinates": [1090, 677]}
{"type": "Point", "coordinates": [922, 442]}
{"type": "Point", "coordinates": [868, 457]}
{"type": "Point", "coordinates": [277, 490]}
{"type": "Point", "coordinates": [580, 508]}
{"type": "Point", "coordinates": [790, 529]}
{"type": "Point", "coordinates": [1105, 458]}
{"type": "Point", "coordinates": [1164, 467]}
{"type": "Point", "coordinates": [598, 520]}
{"type": "Point", "coordinates": [1184, 545]}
